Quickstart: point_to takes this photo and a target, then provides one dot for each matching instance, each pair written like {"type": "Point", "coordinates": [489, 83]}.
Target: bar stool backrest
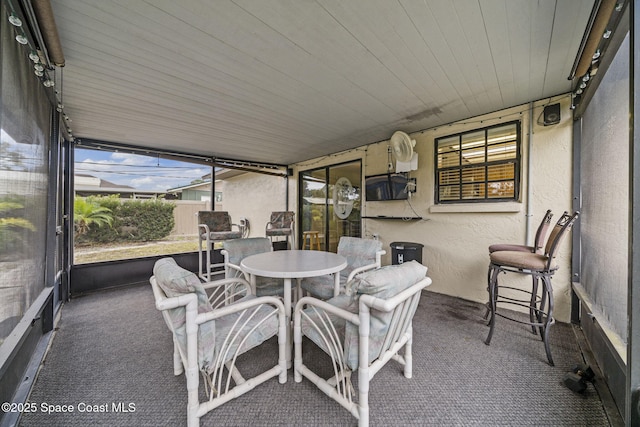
{"type": "Point", "coordinates": [558, 234]}
{"type": "Point", "coordinates": [215, 220]}
{"type": "Point", "coordinates": [541, 233]}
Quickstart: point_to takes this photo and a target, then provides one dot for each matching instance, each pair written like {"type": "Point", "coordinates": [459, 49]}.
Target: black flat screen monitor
{"type": "Point", "coordinates": [388, 186]}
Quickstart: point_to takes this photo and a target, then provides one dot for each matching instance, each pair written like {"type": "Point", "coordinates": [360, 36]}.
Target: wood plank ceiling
{"type": "Point", "coordinates": [282, 81]}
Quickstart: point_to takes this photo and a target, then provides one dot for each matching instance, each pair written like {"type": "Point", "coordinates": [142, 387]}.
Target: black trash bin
{"type": "Point", "coordinates": [406, 251]}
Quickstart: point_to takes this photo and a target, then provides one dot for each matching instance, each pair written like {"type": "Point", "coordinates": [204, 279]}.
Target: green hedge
{"type": "Point", "coordinates": [133, 221]}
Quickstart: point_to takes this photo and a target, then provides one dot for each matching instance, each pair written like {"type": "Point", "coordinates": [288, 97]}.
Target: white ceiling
{"type": "Point", "coordinates": [282, 81]}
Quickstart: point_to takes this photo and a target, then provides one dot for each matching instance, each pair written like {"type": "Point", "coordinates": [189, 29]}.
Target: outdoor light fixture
{"type": "Point", "coordinates": [604, 18]}
{"type": "Point", "coordinates": [44, 48]}
{"type": "Point", "coordinates": [15, 20]}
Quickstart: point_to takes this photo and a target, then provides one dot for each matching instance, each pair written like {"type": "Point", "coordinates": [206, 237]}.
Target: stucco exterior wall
{"type": "Point", "coordinates": [253, 196]}
{"type": "Point", "coordinates": [456, 237]}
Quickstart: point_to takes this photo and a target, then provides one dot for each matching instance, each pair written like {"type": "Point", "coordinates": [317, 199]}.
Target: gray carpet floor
{"type": "Point", "coordinates": [113, 348]}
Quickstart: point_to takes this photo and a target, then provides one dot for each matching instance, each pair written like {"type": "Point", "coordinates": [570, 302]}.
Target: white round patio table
{"type": "Point", "coordinates": [293, 264]}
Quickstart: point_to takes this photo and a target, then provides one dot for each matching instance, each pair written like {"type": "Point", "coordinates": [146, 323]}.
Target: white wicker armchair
{"type": "Point", "coordinates": [236, 250]}
{"type": "Point", "coordinates": [361, 254]}
{"type": "Point", "coordinates": [212, 325]}
{"type": "Point", "coordinates": [362, 329]}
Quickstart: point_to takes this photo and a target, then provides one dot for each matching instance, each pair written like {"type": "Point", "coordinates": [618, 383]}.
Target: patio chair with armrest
{"type": "Point", "coordinates": [361, 254]}
{"type": "Point", "coordinates": [213, 325]}
{"type": "Point", "coordinates": [281, 224]}
{"type": "Point", "coordinates": [213, 226]}
{"type": "Point", "coordinates": [360, 330]}
{"type": "Point", "coordinates": [234, 251]}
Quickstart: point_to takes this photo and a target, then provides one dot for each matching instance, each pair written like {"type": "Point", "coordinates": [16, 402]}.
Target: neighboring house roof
{"type": "Point", "coordinates": [91, 184]}
{"type": "Point", "coordinates": [221, 174]}
{"type": "Point", "coordinates": [205, 186]}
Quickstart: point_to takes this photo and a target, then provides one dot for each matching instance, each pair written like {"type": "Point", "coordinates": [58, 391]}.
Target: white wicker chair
{"type": "Point", "coordinates": [362, 329]}
{"type": "Point", "coordinates": [234, 251]}
{"type": "Point", "coordinates": [361, 254]}
{"type": "Point", "coordinates": [212, 325]}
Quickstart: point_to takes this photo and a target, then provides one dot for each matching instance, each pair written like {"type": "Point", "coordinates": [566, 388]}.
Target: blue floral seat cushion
{"type": "Point", "coordinates": [176, 281]}
{"type": "Point", "coordinates": [278, 231]}
{"type": "Point", "coordinates": [280, 224]}
{"type": "Point", "coordinates": [383, 283]}
{"type": "Point", "coordinates": [245, 330]}
{"type": "Point", "coordinates": [358, 252]}
{"type": "Point", "coordinates": [219, 224]}
{"type": "Point", "coordinates": [222, 235]}
{"type": "Point", "coordinates": [322, 286]}
{"type": "Point", "coordinates": [237, 250]}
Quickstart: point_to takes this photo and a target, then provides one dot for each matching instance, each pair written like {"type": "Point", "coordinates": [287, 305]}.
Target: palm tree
{"type": "Point", "coordinates": [12, 228]}
{"type": "Point", "coordinates": [86, 213]}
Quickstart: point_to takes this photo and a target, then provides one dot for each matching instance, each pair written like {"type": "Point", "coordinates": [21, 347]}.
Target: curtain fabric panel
{"type": "Point", "coordinates": [604, 219]}
{"type": "Point", "coordinates": [25, 113]}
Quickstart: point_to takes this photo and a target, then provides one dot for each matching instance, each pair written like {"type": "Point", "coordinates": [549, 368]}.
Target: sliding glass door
{"type": "Point", "coordinates": [330, 202]}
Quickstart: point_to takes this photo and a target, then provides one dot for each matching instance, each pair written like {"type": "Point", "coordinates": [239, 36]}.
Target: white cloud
{"type": "Point", "coordinates": [140, 172]}
{"type": "Point", "coordinates": [133, 159]}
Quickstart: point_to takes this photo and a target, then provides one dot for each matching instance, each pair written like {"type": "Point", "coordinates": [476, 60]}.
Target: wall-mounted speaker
{"type": "Point", "coordinates": [551, 114]}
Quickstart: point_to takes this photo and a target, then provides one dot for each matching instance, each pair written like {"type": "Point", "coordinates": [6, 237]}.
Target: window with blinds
{"type": "Point", "coordinates": [482, 165]}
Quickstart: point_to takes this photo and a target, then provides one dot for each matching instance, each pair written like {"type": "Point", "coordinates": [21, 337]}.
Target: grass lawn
{"type": "Point", "coordinates": [110, 252]}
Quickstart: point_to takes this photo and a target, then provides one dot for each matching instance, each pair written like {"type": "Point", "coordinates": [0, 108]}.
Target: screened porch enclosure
{"type": "Point", "coordinates": [515, 108]}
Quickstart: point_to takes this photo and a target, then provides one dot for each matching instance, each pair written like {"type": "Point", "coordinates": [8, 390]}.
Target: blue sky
{"type": "Point", "coordinates": [139, 172]}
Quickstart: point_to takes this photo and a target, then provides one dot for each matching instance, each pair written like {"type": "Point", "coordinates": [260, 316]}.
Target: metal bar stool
{"type": "Point", "coordinates": [213, 226]}
{"type": "Point", "coordinates": [541, 267]}
{"type": "Point", "coordinates": [538, 247]}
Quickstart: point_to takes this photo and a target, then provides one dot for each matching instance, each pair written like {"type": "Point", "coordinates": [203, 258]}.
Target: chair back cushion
{"type": "Point", "coordinates": [215, 220]}
{"type": "Point", "coordinates": [558, 233]}
{"type": "Point", "coordinates": [175, 281]}
{"type": "Point", "coordinates": [239, 249]}
{"type": "Point", "coordinates": [387, 281]}
{"type": "Point", "coordinates": [321, 286]}
{"type": "Point", "coordinates": [280, 224]}
{"type": "Point", "coordinates": [281, 219]}
{"type": "Point", "coordinates": [384, 283]}
{"type": "Point", "coordinates": [358, 252]}
{"type": "Point", "coordinates": [541, 233]}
